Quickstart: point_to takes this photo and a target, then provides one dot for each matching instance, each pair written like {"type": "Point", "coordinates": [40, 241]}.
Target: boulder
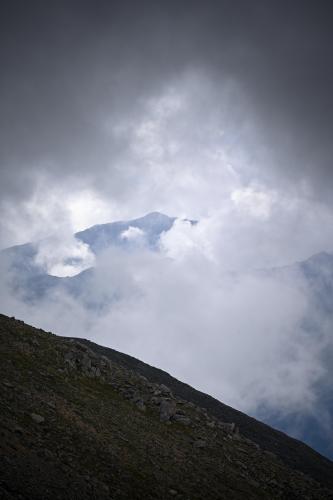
{"type": "Point", "coordinates": [141, 405]}
{"type": "Point", "coordinates": [105, 362]}
{"type": "Point", "coordinates": [165, 390]}
{"type": "Point", "coordinates": [229, 428]}
{"type": "Point", "coordinates": [86, 362]}
{"type": "Point", "coordinates": [181, 419]}
{"type": "Point", "coordinates": [167, 410]}
{"type": "Point", "coordinates": [37, 418]}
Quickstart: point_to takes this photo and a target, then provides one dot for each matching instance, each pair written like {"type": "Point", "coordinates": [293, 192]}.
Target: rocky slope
{"type": "Point", "coordinates": [293, 452]}
{"type": "Point", "coordinates": [76, 423]}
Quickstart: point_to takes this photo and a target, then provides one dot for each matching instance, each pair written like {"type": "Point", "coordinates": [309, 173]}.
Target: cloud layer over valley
{"type": "Point", "coordinates": [253, 338]}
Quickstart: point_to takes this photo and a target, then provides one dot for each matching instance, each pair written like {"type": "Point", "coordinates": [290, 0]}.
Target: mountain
{"type": "Point", "coordinates": [96, 293]}
{"type": "Point", "coordinates": [31, 282]}
{"type": "Point", "coordinates": [81, 419]}
{"type": "Point", "coordinates": [315, 429]}
{"type": "Point", "coordinates": [98, 238]}
{"type": "Point", "coordinates": [102, 236]}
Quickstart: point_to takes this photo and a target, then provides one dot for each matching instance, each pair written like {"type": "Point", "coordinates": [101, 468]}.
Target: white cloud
{"type": "Point", "coordinates": [237, 336]}
{"type": "Point", "coordinates": [196, 309]}
{"type": "Point", "coordinates": [184, 239]}
{"type": "Point", "coordinates": [63, 255]}
{"type": "Point", "coordinates": [133, 234]}
{"type": "Point", "coordinates": [170, 155]}
{"type": "Point", "coordinates": [256, 202]}
{"type": "Point", "coordinates": [87, 208]}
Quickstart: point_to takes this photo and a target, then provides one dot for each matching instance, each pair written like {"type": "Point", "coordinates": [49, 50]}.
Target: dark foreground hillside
{"type": "Point", "coordinates": [76, 423]}
{"type": "Point", "coordinates": [292, 452]}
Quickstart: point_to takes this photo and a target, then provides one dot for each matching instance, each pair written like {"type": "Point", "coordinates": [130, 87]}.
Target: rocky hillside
{"type": "Point", "coordinates": [293, 452]}
{"type": "Point", "coordinates": [79, 423]}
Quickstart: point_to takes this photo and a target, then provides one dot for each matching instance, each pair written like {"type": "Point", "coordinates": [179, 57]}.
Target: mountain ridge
{"type": "Point", "coordinates": [74, 419]}
{"type": "Point", "coordinates": [220, 410]}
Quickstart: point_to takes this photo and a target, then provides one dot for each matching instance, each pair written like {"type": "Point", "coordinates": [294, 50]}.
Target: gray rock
{"type": "Point", "coordinates": [136, 396]}
{"type": "Point", "coordinates": [81, 346]}
{"type": "Point", "coordinates": [86, 362]}
{"type": "Point", "coordinates": [69, 363]}
{"type": "Point", "coordinates": [141, 405]}
{"type": "Point", "coordinates": [37, 418]}
{"type": "Point", "coordinates": [165, 390]}
{"type": "Point", "coordinates": [188, 404]}
{"type": "Point", "coordinates": [181, 419]}
{"type": "Point", "coordinates": [106, 362]}
{"type": "Point", "coordinates": [167, 410]}
{"type": "Point", "coordinates": [156, 401]}
{"type": "Point", "coordinates": [69, 356]}
{"type": "Point", "coordinates": [7, 384]}
{"type": "Point", "coordinates": [230, 428]}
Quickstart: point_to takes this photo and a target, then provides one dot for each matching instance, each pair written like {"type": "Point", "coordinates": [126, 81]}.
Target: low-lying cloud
{"type": "Point", "coordinates": [63, 255]}
{"type": "Point", "coordinates": [238, 335]}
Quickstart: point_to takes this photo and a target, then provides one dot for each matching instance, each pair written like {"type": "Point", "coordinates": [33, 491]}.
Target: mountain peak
{"type": "Point", "coordinates": [156, 215]}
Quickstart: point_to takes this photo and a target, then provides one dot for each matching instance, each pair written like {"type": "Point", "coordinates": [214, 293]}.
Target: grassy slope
{"type": "Point", "coordinates": [293, 452]}
{"type": "Point", "coordinates": [95, 441]}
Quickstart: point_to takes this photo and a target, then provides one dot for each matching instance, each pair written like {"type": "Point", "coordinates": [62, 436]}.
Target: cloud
{"type": "Point", "coordinates": [133, 234]}
{"type": "Point", "coordinates": [185, 239]}
{"type": "Point", "coordinates": [256, 202]}
{"type": "Point", "coordinates": [240, 336]}
{"type": "Point", "coordinates": [63, 255]}
{"type": "Point", "coordinates": [53, 209]}
{"type": "Point", "coordinates": [157, 109]}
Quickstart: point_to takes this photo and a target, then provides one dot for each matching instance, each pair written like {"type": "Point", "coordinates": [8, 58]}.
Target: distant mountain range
{"type": "Point", "coordinates": [31, 283]}
{"type": "Point", "coordinates": [30, 280]}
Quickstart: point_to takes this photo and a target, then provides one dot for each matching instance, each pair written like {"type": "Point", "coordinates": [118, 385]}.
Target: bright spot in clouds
{"type": "Point", "coordinates": [86, 208]}
{"type": "Point", "coordinates": [257, 203]}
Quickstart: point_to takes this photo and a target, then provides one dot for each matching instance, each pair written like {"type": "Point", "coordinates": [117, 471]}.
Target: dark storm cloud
{"type": "Point", "coordinates": [66, 65]}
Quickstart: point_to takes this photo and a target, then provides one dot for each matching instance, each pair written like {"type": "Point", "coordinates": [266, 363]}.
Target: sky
{"type": "Point", "coordinates": [219, 111]}
{"type": "Point", "coordinates": [111, 110]}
